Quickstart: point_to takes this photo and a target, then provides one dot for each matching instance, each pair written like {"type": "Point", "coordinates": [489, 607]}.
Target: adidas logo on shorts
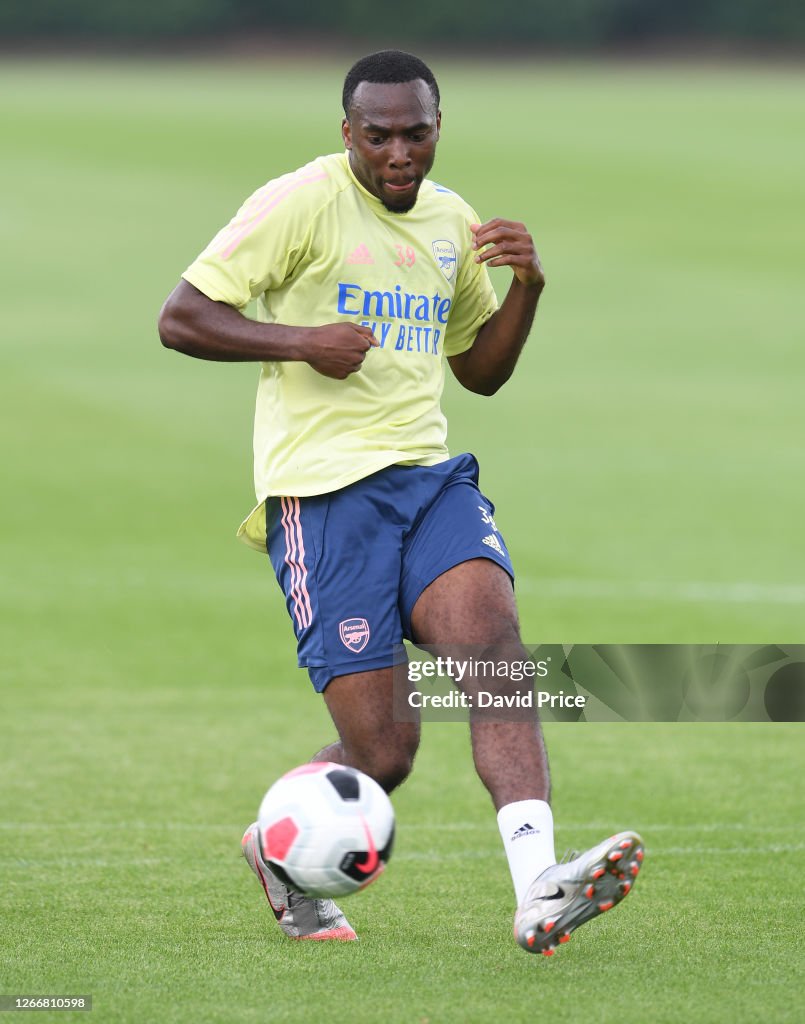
{"type": "Point", "coordinates": [492, 542]}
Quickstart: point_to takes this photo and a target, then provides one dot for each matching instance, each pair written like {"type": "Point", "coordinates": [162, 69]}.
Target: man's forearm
{"type": "Point", "coordinates": [195, 325]}
{"type": "Point", "coordinates": [497, 346]}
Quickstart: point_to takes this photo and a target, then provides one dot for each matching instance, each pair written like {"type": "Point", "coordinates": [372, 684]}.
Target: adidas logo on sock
{"type": "Point", "coordinates": [525, 830]}
{"type": "Point", "coordinates": [360, 255]}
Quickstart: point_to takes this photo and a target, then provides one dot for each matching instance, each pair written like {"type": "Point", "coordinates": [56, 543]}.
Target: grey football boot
{"type": "Point", "coordinates": [299, 916]}
{"type": "Point", "coordinates": [569, 894]}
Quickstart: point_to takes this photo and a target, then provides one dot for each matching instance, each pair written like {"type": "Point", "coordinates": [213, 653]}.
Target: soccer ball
{"type": "Point", "coordinates": [325, 829]}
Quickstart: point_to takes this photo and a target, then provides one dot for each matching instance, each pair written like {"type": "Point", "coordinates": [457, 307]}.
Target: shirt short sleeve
{"type": "Point", "coordinates": [259, 248]}
{"type": "Point", "coordinates": [474, 301]}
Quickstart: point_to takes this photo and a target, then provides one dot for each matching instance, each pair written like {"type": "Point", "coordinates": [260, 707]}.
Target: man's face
{"type": "Point", "coordinates": [391, 135]}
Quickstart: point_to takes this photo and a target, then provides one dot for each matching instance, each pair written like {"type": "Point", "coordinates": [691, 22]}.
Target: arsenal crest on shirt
{"type": "Point", "coordinates": [444, 253]}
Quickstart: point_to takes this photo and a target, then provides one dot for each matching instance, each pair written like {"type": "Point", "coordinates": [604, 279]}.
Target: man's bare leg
{"type": "Point", "coordinates": [361, 707]}
{"type": "Point", "coordinates": [473, 604]}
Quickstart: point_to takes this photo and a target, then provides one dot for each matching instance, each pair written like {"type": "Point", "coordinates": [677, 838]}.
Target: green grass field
{"type": "Point", "coordinates": [647, 463]}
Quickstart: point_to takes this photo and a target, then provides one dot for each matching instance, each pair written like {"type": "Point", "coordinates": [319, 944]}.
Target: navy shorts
{"type": "Point", "coordinates": [353, 562]}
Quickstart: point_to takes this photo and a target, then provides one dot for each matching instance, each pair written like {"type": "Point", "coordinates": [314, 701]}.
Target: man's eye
{"type": "Point", "coordinates": [375, 140]}
{"type": "Point", "coordinates": [418, 136]}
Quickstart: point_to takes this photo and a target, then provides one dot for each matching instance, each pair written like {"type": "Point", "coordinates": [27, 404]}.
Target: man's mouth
{"type": "Point", "coordinates": [400, 186]}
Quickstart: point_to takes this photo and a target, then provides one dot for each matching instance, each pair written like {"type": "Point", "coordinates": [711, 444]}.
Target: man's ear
{"type": "Point", "coordinates": [346, 133]}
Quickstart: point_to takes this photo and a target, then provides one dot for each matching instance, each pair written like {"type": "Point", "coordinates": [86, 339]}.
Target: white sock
{"type": "Point", "coordinates": [526, 828]}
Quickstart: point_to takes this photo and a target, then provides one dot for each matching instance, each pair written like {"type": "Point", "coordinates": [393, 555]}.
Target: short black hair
{"type": "Point", "coordinates": [387, 67]}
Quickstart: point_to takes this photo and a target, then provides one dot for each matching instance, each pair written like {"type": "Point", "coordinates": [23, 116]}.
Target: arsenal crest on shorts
{"type": "Point", "coordinates": [354, 634]}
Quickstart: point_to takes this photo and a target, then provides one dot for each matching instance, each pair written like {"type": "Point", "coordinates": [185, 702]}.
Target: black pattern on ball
{"type": "Point", "coordinates": [346, 783]}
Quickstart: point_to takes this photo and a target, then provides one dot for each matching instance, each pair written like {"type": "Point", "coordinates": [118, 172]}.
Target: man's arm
{"type": "Point", "coordinates": [489, 362]}
{"type": "Point", "coordinates": [194, 324]}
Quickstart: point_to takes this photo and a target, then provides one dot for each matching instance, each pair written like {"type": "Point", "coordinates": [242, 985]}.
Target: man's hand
{"type": "Point", "coordinates": [337, 350]}
{"type": "Point", "coordinates": [489, 362]}
{"type": "Point", "coordinates": [510, 246]}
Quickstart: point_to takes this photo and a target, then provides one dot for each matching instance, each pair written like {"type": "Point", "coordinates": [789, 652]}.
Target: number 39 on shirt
{"type": "Point", "coordinates": [406, 257]}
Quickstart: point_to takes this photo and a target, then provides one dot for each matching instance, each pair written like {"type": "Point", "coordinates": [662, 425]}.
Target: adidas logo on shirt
{"type": "Point", "coordinates": [360, 255]}
{"type": "Point", "coordinates": [525, 830]}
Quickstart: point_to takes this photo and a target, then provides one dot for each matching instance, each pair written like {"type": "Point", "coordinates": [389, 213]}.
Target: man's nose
{"type": "Point", "coordinates": [398, 154]}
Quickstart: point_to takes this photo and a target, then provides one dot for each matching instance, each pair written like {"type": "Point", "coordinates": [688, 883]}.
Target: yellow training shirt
{"type": "Point", "coordinates": [314, 247]}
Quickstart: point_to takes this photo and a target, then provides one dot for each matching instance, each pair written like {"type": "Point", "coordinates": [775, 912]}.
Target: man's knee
{"type": "Point", "coordinates": [389, 760]}
{"type": "Point", "coordinates": [392, 773]}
